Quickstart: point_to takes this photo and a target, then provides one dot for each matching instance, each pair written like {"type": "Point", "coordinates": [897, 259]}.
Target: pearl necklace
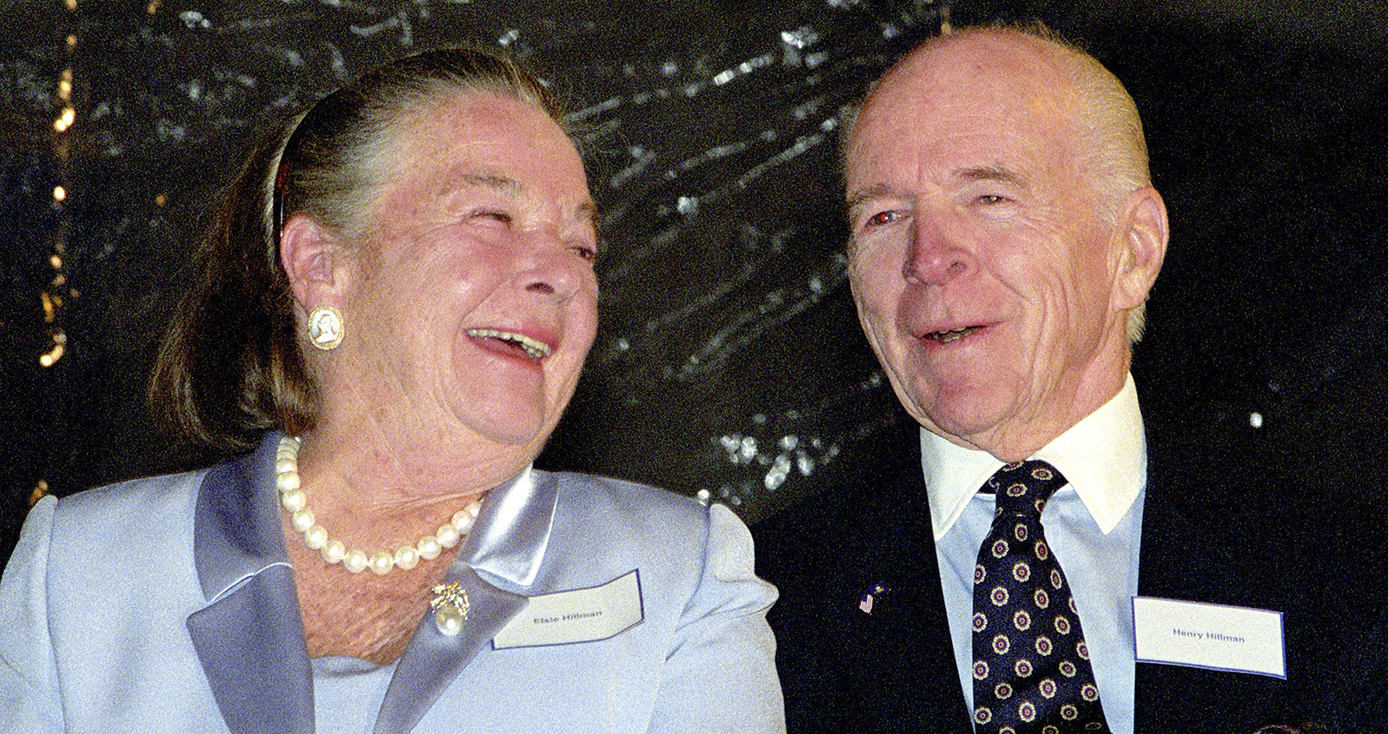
{"type": "Point", "coordinates": [355, 560]}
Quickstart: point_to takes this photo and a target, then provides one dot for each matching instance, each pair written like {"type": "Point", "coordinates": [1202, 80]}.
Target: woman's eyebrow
{"type": "Point", "coordinates": [484, 179]}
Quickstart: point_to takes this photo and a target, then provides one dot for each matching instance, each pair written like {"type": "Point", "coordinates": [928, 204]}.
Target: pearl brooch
{"type": "Point", "coordinates": [381, 562]}
{"type": "Point", "coordinates": [451, 605]}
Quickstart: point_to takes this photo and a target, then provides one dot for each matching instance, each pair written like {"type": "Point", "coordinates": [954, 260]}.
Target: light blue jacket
{"type": "Point", "coordinates": [168, 605]}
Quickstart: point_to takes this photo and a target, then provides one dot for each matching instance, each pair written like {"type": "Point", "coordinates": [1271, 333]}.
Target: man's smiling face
{"type": "Point", "coordinates": [984, 273]}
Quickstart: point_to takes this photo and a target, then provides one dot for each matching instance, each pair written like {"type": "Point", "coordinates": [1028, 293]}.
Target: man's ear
{"type": "Point", "coordinates": [1142, 235]}
{"type": "Point", "coordinates": [315, 261]}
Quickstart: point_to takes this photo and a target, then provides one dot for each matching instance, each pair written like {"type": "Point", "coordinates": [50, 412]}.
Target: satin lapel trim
{"type": "Point", "coordinates": [236, 527]}
{"type": "Point", "coordinates": [505, 548]}
{"type": "Point", "coordinates": [433, 660]}
{"type": "Point", "coordinates": [512, 531]}
{"type": "Point", "coordinates": [250, 638]}
{"type": "Point", "coordinates": [251, 644]}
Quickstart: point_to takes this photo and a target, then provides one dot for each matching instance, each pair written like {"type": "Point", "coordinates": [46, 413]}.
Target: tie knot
{"type": "Point", "coordinates": [1024, 487]}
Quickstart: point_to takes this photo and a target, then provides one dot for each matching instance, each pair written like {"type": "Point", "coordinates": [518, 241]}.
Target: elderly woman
{"type": "Point", "coordinates": [398, 296]}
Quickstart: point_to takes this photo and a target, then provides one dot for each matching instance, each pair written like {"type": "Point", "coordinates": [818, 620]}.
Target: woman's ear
{"type": "Point", "coordinates": [1143, 233]}
{"type": "Point", "coordinates": [315, 261]}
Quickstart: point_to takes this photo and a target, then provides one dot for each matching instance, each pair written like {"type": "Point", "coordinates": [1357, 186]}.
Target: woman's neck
{"type": "Point", "coordinates": [368, 491]}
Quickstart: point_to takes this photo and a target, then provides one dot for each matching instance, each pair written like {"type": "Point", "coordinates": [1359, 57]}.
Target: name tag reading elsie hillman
{"type": "Point", "coordinates": [580, 615]}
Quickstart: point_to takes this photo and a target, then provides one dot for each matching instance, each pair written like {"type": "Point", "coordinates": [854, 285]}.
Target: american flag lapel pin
{"type": "Point", "coordinates": [869, 597]}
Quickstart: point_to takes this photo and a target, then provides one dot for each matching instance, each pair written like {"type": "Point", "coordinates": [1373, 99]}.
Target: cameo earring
{"type": "Point", "coordinates": [325, 328]}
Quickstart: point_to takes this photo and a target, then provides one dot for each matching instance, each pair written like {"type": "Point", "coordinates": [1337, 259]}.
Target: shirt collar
{"type": "Point", "coordinates": [1104, 457]}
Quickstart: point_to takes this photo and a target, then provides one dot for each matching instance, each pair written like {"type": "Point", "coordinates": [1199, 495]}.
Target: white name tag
{"type": "Point", "coordinates": [581, 615]}
{"type": "Point", "coordinates": [1212, 636]}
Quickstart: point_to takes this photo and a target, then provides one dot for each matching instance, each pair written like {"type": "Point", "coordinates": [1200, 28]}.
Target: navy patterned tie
{"type": "Point", "coordinates": [1031, 665]}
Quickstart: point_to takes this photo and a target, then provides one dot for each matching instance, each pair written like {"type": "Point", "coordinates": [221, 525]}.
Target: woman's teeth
{"type": "Point", "coordinates": [536, 349]}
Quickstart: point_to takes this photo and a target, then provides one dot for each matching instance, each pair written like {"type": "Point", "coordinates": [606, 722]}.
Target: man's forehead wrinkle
{"type": "Point", "coordinates": [951, 115]}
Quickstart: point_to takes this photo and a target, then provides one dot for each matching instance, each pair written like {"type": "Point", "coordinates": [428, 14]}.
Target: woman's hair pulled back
{"type": "Point", "coordinates": [230, 365]}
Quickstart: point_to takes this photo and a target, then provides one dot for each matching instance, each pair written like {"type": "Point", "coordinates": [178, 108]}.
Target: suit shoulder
{"type": "Point", "coordinates": [137, 503]}
{"type": "Point", "coordinates": [877, 483]}
{"type": "Point", "coordinates": [140, 530]}
{"type": "Point", "coordinates": [626, 503]}
{"type": "Point", "coordinates": [98, 527]}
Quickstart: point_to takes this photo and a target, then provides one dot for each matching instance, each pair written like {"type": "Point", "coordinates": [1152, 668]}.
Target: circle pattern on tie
{"type": "Point", "coordinates": [1032, 674]}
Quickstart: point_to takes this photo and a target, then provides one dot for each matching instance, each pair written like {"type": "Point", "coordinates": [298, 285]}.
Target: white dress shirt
{"type": "Point", "coordinates": [1093, 525]}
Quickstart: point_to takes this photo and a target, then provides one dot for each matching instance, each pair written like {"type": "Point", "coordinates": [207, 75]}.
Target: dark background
{"type": "Point", "coordinates": [729, 363]}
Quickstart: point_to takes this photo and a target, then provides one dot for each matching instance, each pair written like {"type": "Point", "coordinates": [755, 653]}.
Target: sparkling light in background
{"type": "Point", "coordinates": [729, 363]}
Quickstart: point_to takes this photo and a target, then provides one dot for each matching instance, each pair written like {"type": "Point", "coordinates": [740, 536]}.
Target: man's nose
{"type": "Point", "coordinates": [935, 256]}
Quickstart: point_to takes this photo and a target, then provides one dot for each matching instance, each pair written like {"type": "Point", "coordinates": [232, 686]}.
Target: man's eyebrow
{"type": "Point", "coordinates": [589, 211]}
{"type": "Point", "coordinates": [859, 196]}
{"type": "Point", "coordinates": [998, 173]}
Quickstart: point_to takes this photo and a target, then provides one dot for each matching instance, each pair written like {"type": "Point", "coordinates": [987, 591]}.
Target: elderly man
{"type": "Point", "coordinates": [1005, 235]}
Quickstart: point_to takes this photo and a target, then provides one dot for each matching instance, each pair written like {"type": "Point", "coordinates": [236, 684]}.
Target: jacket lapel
{"type": "Point", "coordinates": [250, 637]}
{"type": "Point", "coordinates": [433, 660]}
{"type": "Point", "coordinates": [905, 639]}
{"type": "Point", "coordinates": [251, 644]}
{"type": "Point", "coordinates": [1190, 552]}
{"type": "Point", "coordinates": [499, 561]}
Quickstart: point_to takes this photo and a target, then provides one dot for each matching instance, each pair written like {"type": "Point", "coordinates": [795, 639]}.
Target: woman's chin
{"type": "Point", "coordinates": [518, 428]}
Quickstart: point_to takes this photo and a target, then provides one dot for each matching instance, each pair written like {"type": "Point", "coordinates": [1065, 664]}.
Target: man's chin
{"type": "Point", "coordinates": [968, 428]}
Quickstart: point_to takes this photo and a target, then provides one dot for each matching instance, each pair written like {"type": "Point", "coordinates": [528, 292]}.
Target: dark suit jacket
{"type": "Point", "coordinates": [1225, 521]}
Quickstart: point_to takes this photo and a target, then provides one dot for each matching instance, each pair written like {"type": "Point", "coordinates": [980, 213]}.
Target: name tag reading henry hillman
{"type": "Point", "coordinates": [581, 615]}
{"type": "Point", "coordinates": [1213, 636]}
